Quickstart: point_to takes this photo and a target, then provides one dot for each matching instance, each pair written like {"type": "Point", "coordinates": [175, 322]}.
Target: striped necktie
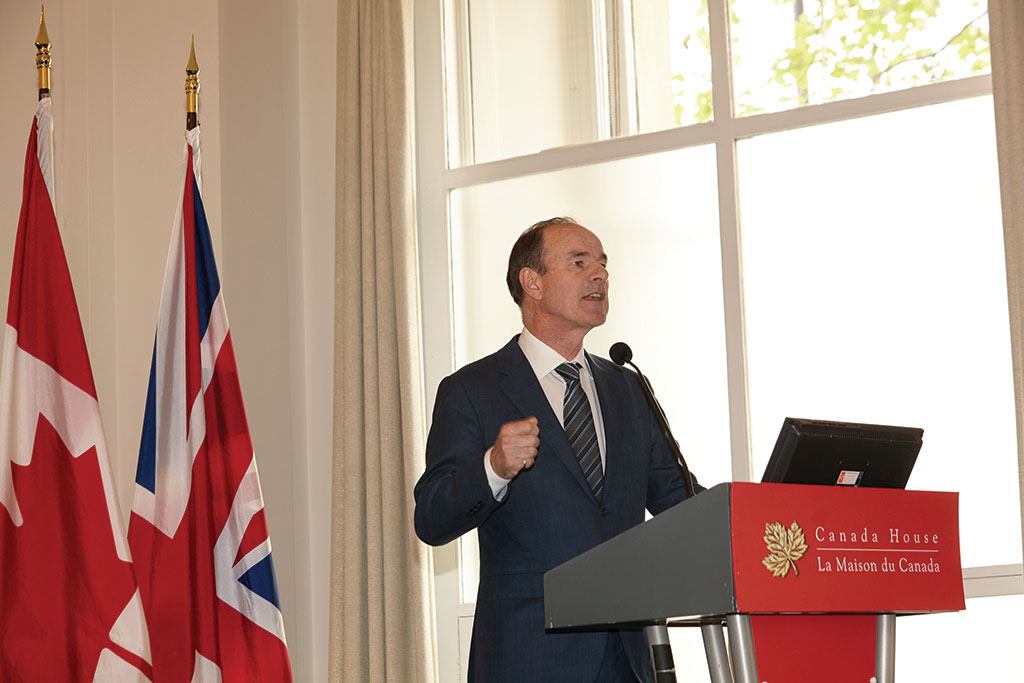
{"type": "Point", "coordinates": [578, 421]}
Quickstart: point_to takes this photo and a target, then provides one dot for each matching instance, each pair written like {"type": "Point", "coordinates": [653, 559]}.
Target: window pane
{"type": "Point", "coordinates": [875, 291]}
{"type": "Point", "coordinates": [982, 643]}
{"type": "Point", "coordinates": [657, 217]}
{"type": "Point", "coordinates": [531, 76]}
{"type": "Point", "coordinates": [536, 74]}
{"type": "Point", "coordinates": [789, 53]}
{"type": "Point", "coordinates": [673, 63]}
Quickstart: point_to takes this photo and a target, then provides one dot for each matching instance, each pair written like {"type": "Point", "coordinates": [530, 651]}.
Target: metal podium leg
{"type": "Point", "coordinates": [885, 649]}
{"type": "Point", "coordinates": [718, 656]}
{"type": "Point", "coordinates": [741, 642]}
{"type": "Point", "coordinates": [661, 653]}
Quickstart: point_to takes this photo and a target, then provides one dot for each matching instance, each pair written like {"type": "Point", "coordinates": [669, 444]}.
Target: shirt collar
{"type": "Point", "coordinates": [544, 359]}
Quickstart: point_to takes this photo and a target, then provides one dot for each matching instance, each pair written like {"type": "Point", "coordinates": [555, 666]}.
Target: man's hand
{"type": "Point", "coordinates": [515, 448]}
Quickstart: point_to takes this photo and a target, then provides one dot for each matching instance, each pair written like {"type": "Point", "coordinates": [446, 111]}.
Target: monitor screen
{"type": "Point", "coordinates": [843, 453]}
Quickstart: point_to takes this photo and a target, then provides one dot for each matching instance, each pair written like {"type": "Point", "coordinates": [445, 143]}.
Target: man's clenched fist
{"type": "Point", "coordinates": [515, 449]}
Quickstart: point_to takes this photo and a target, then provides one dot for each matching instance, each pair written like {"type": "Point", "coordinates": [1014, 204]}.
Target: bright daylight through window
{"type": "Point", "coordinates": [800, 202]}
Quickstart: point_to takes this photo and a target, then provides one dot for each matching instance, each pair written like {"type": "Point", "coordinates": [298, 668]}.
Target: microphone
{"type": "Point", "coordinates": [620, 353]}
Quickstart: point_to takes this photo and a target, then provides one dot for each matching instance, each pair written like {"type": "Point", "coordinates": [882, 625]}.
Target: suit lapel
{"type": "Point", "coordinates": [519, 383]}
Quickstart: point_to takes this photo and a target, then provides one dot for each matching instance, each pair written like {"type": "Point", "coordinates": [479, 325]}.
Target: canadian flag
{"type": "Point", "coordinates": [70, 608]}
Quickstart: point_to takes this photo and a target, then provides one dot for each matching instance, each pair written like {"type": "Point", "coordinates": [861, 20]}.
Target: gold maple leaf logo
{"type": "Point", "coordinates": [785, 546]}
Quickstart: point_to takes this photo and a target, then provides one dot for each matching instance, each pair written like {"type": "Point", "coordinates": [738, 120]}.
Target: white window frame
{"type": "Point", "coordinates": [436, 180]}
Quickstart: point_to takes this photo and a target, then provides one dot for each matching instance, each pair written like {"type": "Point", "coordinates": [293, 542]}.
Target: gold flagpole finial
{"type": "Point", "coordinates": [192, 89]}
{"type": "Point", "coordinates": [43, 57]}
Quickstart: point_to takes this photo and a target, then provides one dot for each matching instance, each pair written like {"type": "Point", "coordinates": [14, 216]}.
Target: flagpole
{"type": "Point", "coordinates": [192, 89]}
{"type": "Point", "coordinates": [43, 57]}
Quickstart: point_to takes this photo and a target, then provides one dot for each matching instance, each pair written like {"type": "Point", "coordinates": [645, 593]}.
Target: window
{"type": "Point", "coordinates": [800, 201]}
{"type": "Point", "coordinates": [792, 53]}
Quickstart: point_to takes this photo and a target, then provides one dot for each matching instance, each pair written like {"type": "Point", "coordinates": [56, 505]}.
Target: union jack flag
{"type": "Point", "coordinates": [198, 529]}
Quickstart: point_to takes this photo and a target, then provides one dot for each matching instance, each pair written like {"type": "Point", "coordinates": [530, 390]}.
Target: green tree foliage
{"type": "Point", "coordinates": [692, 91]}
{"type": "Point", "coordinates": [844, 48]}
{"type": "Point", "coordinates": [849, 48]}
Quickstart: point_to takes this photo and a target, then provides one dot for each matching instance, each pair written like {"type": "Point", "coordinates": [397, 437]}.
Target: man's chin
{"type": "Point", "coordinates": [595, 314]}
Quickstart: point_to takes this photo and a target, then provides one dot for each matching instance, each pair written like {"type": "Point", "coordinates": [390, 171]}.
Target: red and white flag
{"type": "Point", "coordinates": [198, 530]}
{"type": "Point", "coordinates": [69, 605]}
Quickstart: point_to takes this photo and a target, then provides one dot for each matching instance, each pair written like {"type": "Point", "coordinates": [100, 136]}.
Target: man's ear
{"type": "Point", "coordinates": [529, 279]}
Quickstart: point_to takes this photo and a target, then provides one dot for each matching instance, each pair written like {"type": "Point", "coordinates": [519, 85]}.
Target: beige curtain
{"type": "Point", "coordinates": [380, 597]}
{"type": "Point", "coordinates": [1006, 18]}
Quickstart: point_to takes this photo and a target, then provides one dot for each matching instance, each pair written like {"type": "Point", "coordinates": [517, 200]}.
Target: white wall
{"type": "Point", "coordinates": [278, 71]}
{"type": "Point", "coordinates": [267, 110]}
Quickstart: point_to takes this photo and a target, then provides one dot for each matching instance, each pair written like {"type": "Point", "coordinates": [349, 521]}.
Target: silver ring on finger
{"type": "Point", "coordinates": [524, 464]}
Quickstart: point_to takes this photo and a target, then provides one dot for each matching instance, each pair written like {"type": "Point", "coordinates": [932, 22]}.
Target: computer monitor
{"type": "Point", "coordinates": [843, 453]}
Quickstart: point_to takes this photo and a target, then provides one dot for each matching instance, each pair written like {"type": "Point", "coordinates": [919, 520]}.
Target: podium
{"type": "Point", "coordinates": [809, 579]}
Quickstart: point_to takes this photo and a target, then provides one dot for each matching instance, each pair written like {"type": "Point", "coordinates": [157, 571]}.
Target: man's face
{"type": "Point", "coordinates": [572, 294]}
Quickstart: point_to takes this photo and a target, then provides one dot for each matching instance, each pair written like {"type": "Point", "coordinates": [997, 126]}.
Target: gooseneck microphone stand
{"type": "Point", "coordinates": [657, 634]}
{"type": "Point", "coordinates": [620, 353]}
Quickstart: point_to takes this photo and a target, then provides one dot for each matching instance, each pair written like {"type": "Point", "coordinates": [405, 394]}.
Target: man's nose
{"type": "Point", "coordinates": [599, 272]}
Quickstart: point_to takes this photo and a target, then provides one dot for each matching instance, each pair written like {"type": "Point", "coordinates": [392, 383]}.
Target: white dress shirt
{"type": "Point", "coordinates": [543, 359]}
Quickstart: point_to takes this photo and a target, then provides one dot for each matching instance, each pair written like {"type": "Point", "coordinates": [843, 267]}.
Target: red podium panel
{"type": "Point", "coordinates": [808, 577]}
{"type": "Point", "coordinates": [796, 648]}
{"type": "Point", "coordinates": [799, 548]}
{"type": "Point", "coordinates": [850, 553]}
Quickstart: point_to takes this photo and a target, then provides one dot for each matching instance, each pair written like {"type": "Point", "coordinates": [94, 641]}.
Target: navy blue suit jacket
{"type": "Point", "coordinates": [549, 514]}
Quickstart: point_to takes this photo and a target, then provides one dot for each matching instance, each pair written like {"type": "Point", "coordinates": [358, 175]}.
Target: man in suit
{"type": "Point", "coordinates": [547, 451]}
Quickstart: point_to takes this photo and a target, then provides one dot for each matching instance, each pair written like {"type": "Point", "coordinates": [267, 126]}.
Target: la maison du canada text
{"type": "Point", "coordinates": [910, 551]}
